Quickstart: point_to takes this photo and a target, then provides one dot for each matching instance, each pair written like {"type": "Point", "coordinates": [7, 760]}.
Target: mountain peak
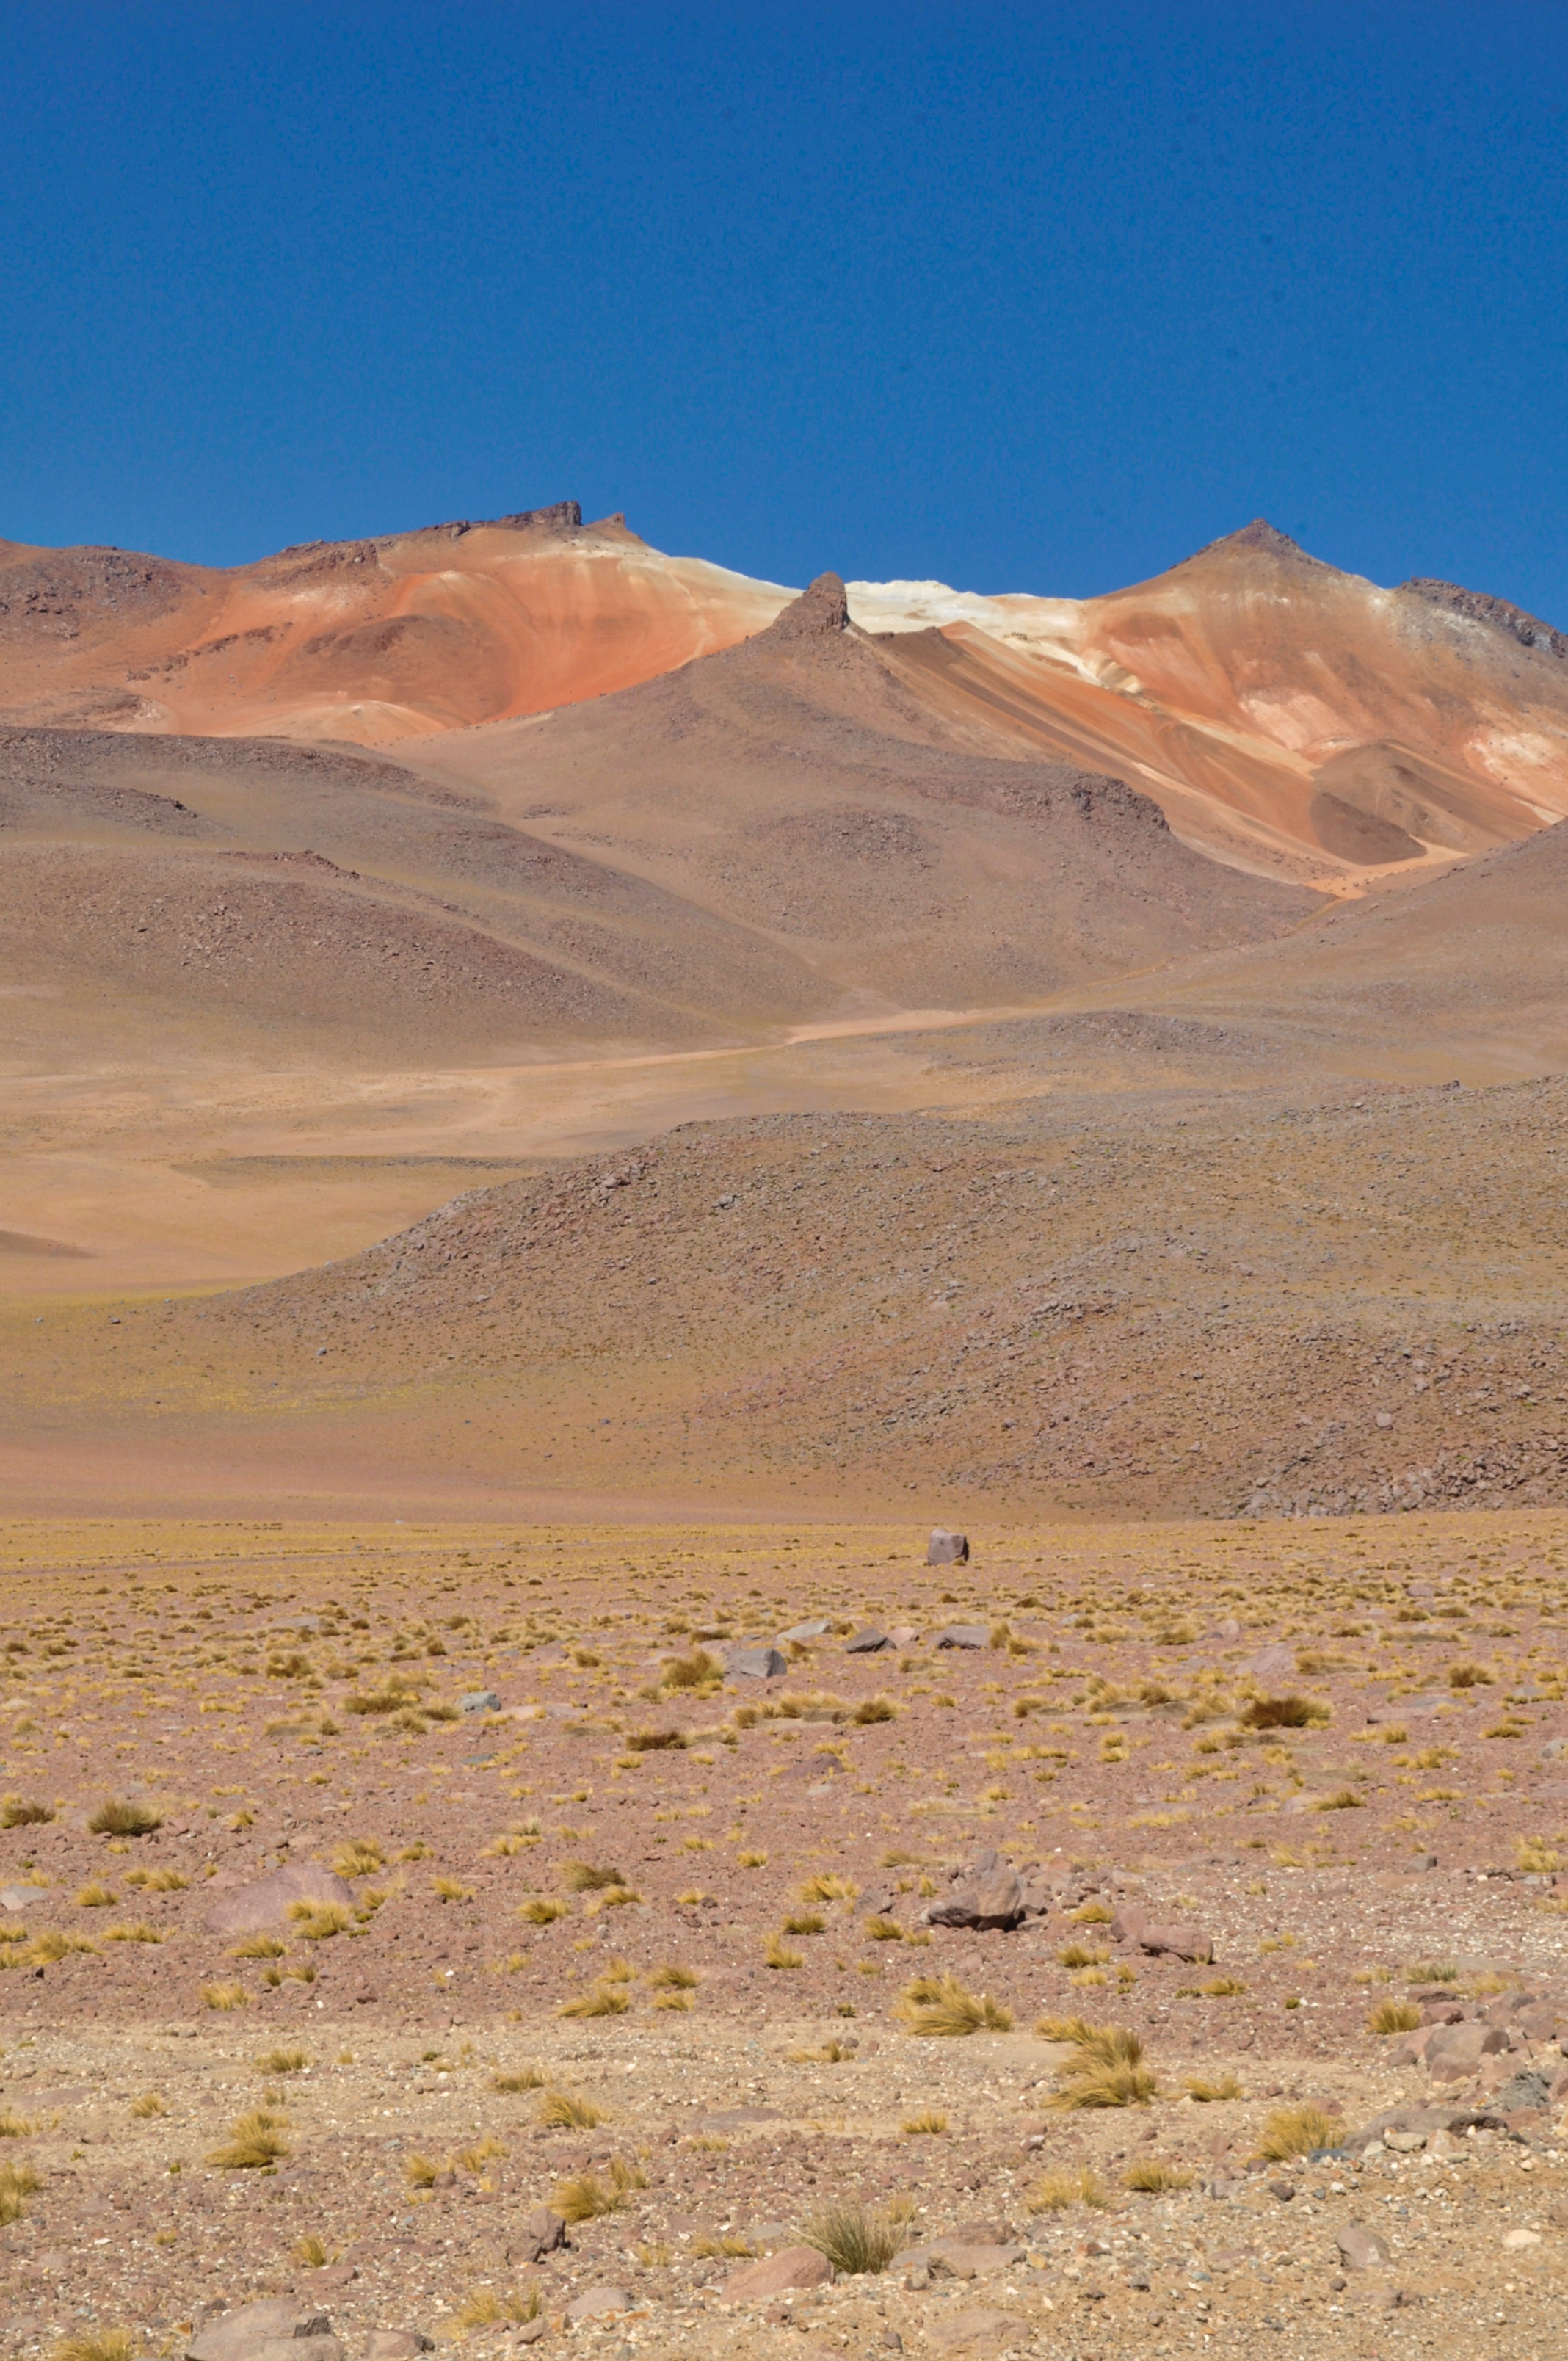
{"type": "Point", "coordinates": [821, 612]}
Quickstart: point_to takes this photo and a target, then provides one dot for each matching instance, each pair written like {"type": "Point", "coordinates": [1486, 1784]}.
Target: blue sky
{"type": "Point", "coordinates": [1019, 297]}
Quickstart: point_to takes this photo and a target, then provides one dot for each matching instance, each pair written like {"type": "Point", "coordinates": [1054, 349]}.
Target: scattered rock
{"type": "Point", "coordinates": [599, 2303]}
{"type": "Point", "coordinates": [1453, 2051]}
{"type": "Point", "coordinates": [963, 2261]}
{"type": "Point", "coordinates": [998, 2332]}
{"type": "Point", "coordinates": [990, 1896]}
{"type": "Point", "coordinates": [947, 1548]}
{"type": "Point", "coordinates": [253, 1909]}
{"type": "Point", "coordinates": [1360, 2249]}
{"type": "Point", "coordinates": [776, 2275]}
{"type": "Point", "coordinates": [802, 1632]}
{"type": "Point", "coordinates": [755, 1663]}
{"type": "Point", "coordinates": [277, 2329]}
{"type": "Point", "coordinates": [1130, 1925]}
{"type": "Point", "coordinates": [868, 1641]}
{"type": "Point", "coordinates": [1516, 2241]}
{"type": "Point", "coordinates": [397, 2345]}
{"type": "Point", "coordinates": [539, 2234]}
{"type": "Point", "coordinates": [479, 1701]}
{"type": "Point", "coordinates": [1273, 1663]}
{"type": "Point", "coordinates": [962, 1635]}
{"type": "Point", "coordinates": [1526, 2091]}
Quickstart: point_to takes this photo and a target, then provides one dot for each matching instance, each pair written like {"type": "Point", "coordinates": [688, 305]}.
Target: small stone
{"type": "Point", "coordinates": [776, 2275]}
{"type": "Point", "coordinates": [529, 2332]}
{"type": "Point", "coordinates": [998, 2332]}
{"type": "Point", "coordinates": [947, 1548]}
{"type": "Point", "coordinates": [1517, 2240]}
{"type": "Point", "coordinates": [1284, 2189]}
{"type": "Point", "coordinates": [1404, 2143]}
{"type": "Point", "coordinates": [278, 2320]}
{"type": "Point", "coordinates": [802, 1632]}
{"type": "Point", "coordinates": [962, 1635]}
{"type": "Point", "coordinates": [755, 1663]}
{"type": "Point", "coordinates": [397, 2345]}
{"type": "Point", "coordinates": [479, 1701]}
{"type": "Point", "coordinates": [253, 1909]}
{"type": "Point", "coordinates": [598, 2303]}
{"type": "Point", "coordinates": [1360, 2249]}
{"type": "Point", "coordinates": [1273, 1663]}
{"type": "Point", "coordinates": [539, 2234]}
{"type": "Point", "coordinates": [868, 1641]}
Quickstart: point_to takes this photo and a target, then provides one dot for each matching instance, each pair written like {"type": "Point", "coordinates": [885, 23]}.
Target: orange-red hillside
{"type": "Point", "coordinates": [372, 641]}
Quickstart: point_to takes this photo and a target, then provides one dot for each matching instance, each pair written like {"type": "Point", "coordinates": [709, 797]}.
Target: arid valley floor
{"type": "Point", "coordinates": [562, 1111]}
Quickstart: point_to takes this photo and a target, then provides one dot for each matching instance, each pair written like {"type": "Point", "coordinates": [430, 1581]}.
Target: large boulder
{"type": "Point", "coordinates": [755, 1663]}
{"type": "Point", "coordinates": [279, 2329]}
{"type": "Point", "coordinates": [990, 1896]}
{"type": "Point", "coordinates": [947, 1548]}
{"type": "Point", "coordinates": [791, 2266]}
{"type": "Point", "coordinates": [1172, 1941]}
{"type": "Point", "coordinates": [252, 1909]}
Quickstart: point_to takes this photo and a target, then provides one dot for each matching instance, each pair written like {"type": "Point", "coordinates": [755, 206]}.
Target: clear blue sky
{"type": "Point", "coordinates": [1020, 297]}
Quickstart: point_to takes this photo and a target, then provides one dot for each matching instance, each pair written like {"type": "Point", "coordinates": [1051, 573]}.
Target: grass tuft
{"type": "Point", "coordinates": [358, 1858]}
{"type": "Point", "coordinates": [776, 1953]}
{"type": "Point", "coordinates": [19, 1812]}
{"type": "Point", "coordinates": [1153, 2178]}
{"type": "Point", "coordinates": [94, 2345]}
{"type": "Point", "coordinates": [585, 2197]}
{"type": "Point", "coordinates": [940, 2007]}
{"type": "Point", "coordinates": [601, 1999]}
{"type": "Point", "coordinates": [1206, 2088]}
{"type": "Point", "coordinates": [1394, 2016]}
{"type": "Point", "coordinates": [118, 1817]}
{"type": "Point", "coordinates": [1106, 2069]}
{"type": "Point", "coordinates": [1054, 2192]}
{"type": "Point", "coordinates": [282, 2061]}
{"type": "Point", "coordinates": [150, 2103]}
{"type": "Point", "coordinates": [1296, 2131]}
{"type": "Point", "coordinates": [318, 1921]}
{"type": "Point", "coordinates": [254, 2142]}
{"type": "Point", "coordinates": [259, 1947]}
{"type": "Point", "coordinates": [586, 1877]}
{"type": "Point", "coordinates": [521, 2078]}
{"type": "Point", "coordinates": [568, 2111]}
{"type": "Point", "coordinates": [929, 2125]}
{"type": "Point", "coordinates": [860, 2240]}
{"type": "Point", "coordinates": [224, 1998]}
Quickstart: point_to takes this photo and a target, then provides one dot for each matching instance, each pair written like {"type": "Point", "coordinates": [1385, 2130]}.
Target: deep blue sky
{"type": "Point", "coordinates": [1021, 297]}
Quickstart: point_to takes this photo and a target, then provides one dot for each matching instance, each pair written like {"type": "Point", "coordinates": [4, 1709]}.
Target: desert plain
{"type": "Point", "coordinates": [565, 1114]}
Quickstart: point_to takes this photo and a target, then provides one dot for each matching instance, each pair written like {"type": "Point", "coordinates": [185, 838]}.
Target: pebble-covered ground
{"type": "Point", "coordinates": [682, 1910]}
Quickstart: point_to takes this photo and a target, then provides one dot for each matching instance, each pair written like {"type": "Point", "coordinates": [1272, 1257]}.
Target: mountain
{"type": "Point", "coordinates": [1288, 717]}
{"type": "Point", "coordinates": [370, 640]}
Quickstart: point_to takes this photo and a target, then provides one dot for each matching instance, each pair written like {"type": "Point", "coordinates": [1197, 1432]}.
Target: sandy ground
{"type": "Point", "coordinates": [728, 1875]}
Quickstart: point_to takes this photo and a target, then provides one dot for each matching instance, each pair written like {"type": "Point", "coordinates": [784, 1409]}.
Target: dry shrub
{"type": "Point", "coordinates": [521, 2078]}
{"type": "Point", "coordinates": [150, 2103]}
{"type": "Point", "coordinates": [1206, 2088]}
{"type": "Point", "coordinates": [941, 2007]}
{"type": "Point", "coordinates": [258, 1947]}
{"type": "Point", "coordinates": [1152, 2178]}
{"type": "Point", "coordinates": [695, 1669]}
{"type": "Point", "coordinates": [776, 1953]}
{"type": "Point", "coordinates": [16, 2126]}
{"type": "Point", "coordinates": [1054, 2192]}
{"type": "Point", "coordinates": [486, 2309]}
{"type": "Point", "coordinates": [1394, 2016]}
{"type": "Point", "coordinates": [585, 2197]}
{"type": "Point", "coordinates": [282, 2061]}
{"type": "Point", "coordinates": [1296, 2131]}
{"type": "Point", "coordinates": [118, 1817]}
{"type": "Point", "coordinates": [656, 1742]}
{"type": "Point", "coordinates": [883, 1930]}
{"type": "Point", "coordinates": [358, 1858]}
{"type": "Point", "coordinates": [19, 1812]}
{"type": "Point", "coordinates": [224, 1998]}
{"type": "Point", "coordinates": [542, 1911]}
{"type": "Point", "coordinates": [860, 2240]}
{"type": "Point", "coordinates": [17, 2182]}
{"type": "Point", "coordinates": [254, 2142]}
{"type": "Point", "coordinates": [419, 2171]}
{"type": "Point", "coordinates": [95, 1896]}
{"type": "Point", "coordinates": [95, 2344]}
{"type": "Point", "coordinates": [317, 1922]}
{"type": "Point", "coordinates": [1431, 1971]}
{"type": "Point", "coordinates": [804, 1922]}
{"type": "Point", "coordinates": [601, 1999]}
{"type": "Point", "coordinates": [138, 1931]}
{"type": "Point", "coordinates": [672, 1977]}
{"type": "Point", "coordinates": [1469, 1676]}
{"type": "Point", "coordinates": [829, 1889]}
{"type": "Point", "coordinates": [874, 1709]}
{"type": "Point", "coordinates": [568, 2111]}
{"type": "Point", "coordinates": [1106, 2069]}
{"type": "Point", "coordinates": [1282, 1713]}
{"type": "Point", "coordinates": [929, 2125]}
{"type": "Point", "coordinates": [584, 1877]}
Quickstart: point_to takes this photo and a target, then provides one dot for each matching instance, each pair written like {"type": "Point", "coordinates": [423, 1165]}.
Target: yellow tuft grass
{"type": "Point", "coordinates": [358, 1858]}
{"type": "Point", "coordinates": [601, 1999]}
{"type": "Point", "coordinates": [16, 2126]}
{"type": "Point", "coordinates": [17, 1812]}
{"type": "Point", "coordinates": [282, 2061]}
{"type": "Point", "coordinates": [17, 2182]}
{"type": "Point", "coordinates": [1296, 2131]}
{"type": "Point", "coordinates": [860, 2240]}
{"type": "Point", "coordinates": [521, 2078]}
{"type": "Point", "coordinates": [255, 2142]}
{"type": "Point", "coordinates": [224, 1998]}
{"type": "Point", "coordinates": [95, 1896]}
{"type": "Point", "coordinates": [568, 2111]}
{"type": "Point", "coordinates": [1206, 2088]}
{"type": "Point", "coordinates": [776, 1953]}
{"type": "Point", "coordinates": [318, 1921]}
{"type": "Point", "coordinates": [940, 2007]}
{"type": "Point", "coordinates": [135, 1931]}
{"type": "Point", "coordinates": [929, 2125]}
{"type": "Point", "coordinates": [1054, 2192]}
{"type": "Point", "coordinates": [259, 1947]}
{"type": "Point", "coordinates": [1394, 2016]}
{"type": "Point", "coordinates": [1153, 2178]}
{"type": "Point", "coordinates": [1106, 2069]}
{"type": "Point", "coordinates": [94, 2345]}
{"type": "Point", "coordinates": [542, 1911]}
{"type": "Point", "coordinates": [150, 2104]}
{"type": "Point", "coordinates": [584, 2197]}
{"type": "Point", "coordinates": [117, 1816]}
